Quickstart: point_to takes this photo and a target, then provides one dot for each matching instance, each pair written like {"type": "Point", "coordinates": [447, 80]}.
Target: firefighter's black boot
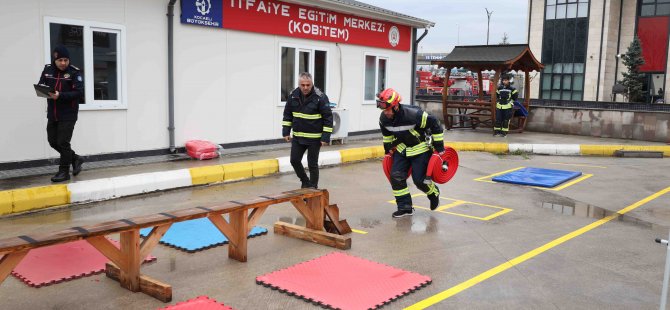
{"type": "Point", "coordinates": [76, 165]}
{"type": "Point", "coordinates": [62, 175]}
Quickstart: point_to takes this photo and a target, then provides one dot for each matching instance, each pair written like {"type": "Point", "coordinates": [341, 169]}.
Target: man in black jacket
{"type": "Point", "coordinates": [407, 131]}
{"type": "Point", "coordinates": [308, 113]}
{"type": "Point", "coordinates": [62, 110]}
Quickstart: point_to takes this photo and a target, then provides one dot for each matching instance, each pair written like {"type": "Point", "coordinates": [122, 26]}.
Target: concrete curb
{"type": "Point", "coordinates": [35, 198]}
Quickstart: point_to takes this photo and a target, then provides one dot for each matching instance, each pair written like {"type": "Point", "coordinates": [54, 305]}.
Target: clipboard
{"type": "Point", "coordinates": [42, 90]}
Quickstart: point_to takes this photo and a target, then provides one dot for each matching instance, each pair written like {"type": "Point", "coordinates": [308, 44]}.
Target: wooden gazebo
{"type": "Point", "coordinates": [500, 58]}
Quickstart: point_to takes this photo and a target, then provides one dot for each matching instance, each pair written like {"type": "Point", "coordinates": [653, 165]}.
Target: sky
{"type": "Point", "coordinates": [463, 22]}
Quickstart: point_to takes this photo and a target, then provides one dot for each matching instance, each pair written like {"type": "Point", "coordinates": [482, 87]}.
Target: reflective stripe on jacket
{"type": "Point", "coordinates": [310, 117]}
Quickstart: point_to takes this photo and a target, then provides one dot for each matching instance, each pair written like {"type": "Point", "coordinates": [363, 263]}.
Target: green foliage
{"type": "Point", "coordinates": [633, 80]}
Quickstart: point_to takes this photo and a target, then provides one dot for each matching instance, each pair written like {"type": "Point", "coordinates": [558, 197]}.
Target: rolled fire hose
{"type": "Point", "coordinates": [440, 168]}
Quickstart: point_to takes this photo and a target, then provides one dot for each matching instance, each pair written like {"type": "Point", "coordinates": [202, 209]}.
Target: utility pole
{"type": "Point", "coordinates": [488, 24]}
{"type": "Point", "coordinates": [458, 34]}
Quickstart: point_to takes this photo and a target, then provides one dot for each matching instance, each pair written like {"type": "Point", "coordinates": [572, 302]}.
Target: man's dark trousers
{"type": "Point", "coordinates": [297, 151]}
{"type": "Point", "coordinates": [503, 117]}
{"type": "Point", "coordinates": [59, 134]}
{"type": "Point", "coordinates": [399, 170]}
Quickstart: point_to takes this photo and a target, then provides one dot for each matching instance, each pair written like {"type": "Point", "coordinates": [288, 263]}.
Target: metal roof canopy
{"type": "Point", "coordinates": [500, 58]}
{"type": "Point", "coordinates": [496, 57]}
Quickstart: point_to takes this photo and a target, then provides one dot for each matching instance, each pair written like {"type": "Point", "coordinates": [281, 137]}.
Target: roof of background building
{"type": "Point", "coordinates": [371, 10]}
{"type": "Point", "coordinates": [511, 56]}
{"type": "Point", "coordinates": [486, 53]}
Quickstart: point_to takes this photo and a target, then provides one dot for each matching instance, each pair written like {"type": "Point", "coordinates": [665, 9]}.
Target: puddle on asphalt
{"type": "Point", "coordinates": [581, 209]}
{"type": "Point", "coordinates": [417, 224]}
{"type": "Point", "coordinates": [369, 223]}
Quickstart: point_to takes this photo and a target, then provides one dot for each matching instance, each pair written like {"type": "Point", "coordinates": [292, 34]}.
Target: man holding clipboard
{"type": "Point", "coordinates": [63, 85]}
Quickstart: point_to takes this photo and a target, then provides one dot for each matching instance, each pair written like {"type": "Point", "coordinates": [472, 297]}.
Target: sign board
{"type": "Point", "coordinates": [298, 21]}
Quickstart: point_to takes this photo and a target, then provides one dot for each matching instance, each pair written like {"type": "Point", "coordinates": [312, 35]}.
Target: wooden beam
{"type": "Point", "coordinates": [316, 236]}
{"type": "Point", "coordinates": [16, 244]}
{"type": "Point", "coordinates": [445, 97]}
{"type": "Point", "coordinates": [107, 248]}
{"type": "Point", "coordinates": [240, 224]}
{"type": "Point", "coordinates": [130, 252]}
{"type": "Point", "coordinates": [9, 262]}
{"type": "Point", "coordinates": [481, 84]}
{"type": "Point", "coordinates": [255, 216]}
{"type": "Point", "coordinates": [340, 226]}
{"type": "Point", "coordinates": [148, 285]}
{"type": "Point", "coordinates": [152, 239]}
{"type": "Point", "coordinates": [224, 227]}
{"type": "Point", "coordinates": [304, 210]}
{"type": "Point", "coordinates": [317, 206]}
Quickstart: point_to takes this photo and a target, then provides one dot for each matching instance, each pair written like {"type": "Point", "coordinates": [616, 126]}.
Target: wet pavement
{"type": "Point", "coordinates": [30, 177]}
{"type": "Point", "coordinates": [616, 265]}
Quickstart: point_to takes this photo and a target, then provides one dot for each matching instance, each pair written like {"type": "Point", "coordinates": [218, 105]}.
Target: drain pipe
{"type": "Point", "coordinates": [415, 46]}
{"type": "Point", "coordinates": [170, 14]}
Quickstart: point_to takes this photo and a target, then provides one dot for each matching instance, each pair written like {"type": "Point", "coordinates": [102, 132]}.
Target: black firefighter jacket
{"type": "Point", "coordinates": [309, 116]}
{"type": "Point", "coordinates": [70, 86]}
{"type": "Point", "coordinates": [408, 130]}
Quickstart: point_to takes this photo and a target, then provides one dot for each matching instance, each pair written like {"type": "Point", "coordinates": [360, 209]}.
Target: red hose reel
{"type": "Point", "coordinates": [440, 168]}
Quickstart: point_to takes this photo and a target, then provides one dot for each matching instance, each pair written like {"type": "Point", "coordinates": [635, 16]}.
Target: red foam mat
{"type": "Point", "coordinates": [199, 303]}
{"type": "Point", "coordinates": [62, 262]}
{"type": "Point", "coordinates": [341, 281]}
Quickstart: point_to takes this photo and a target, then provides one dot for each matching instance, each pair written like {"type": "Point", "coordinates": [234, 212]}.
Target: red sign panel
{"type": "Point", "coordinates": [653, 34]}
{"type": "Point", "coordinates": [293, 20]}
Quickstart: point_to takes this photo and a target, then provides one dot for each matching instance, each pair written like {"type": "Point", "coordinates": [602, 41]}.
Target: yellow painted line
{"type": "Point", "coordinates": [237, 171]}
{"type": "Point", "coordinates": [573, 182]}
{"type": "Point", "coordinates": [497, 214]}
{"type": "Point", "coordinates": [579, 165]}
{"type": "Point", "coordinates": [451, 205]}
{"type": "Point", "coordinates": [264, 167]}
{"type": "Point", "coordinates": [528, 255]}
{"type": "Point", "coordinates": [359, 231]}
{"type": "Point", "coordinates": [28, 199]}
{"type": "Point", "coordinates": [6, 202]}
{"type": "Point", "coordinates": [206, 174]}
{"type": "Point", "coordinates": [483, 179]}
{"type": "Point", "coordinates": [357, 154]}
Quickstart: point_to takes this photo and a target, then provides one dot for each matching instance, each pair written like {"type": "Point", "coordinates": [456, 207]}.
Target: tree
{"type": "Point", "coordinates": [505, 39]}
{"type": "Point", "coordinates": [633, 80]}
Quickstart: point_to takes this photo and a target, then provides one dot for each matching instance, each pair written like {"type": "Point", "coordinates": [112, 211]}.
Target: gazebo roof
{"type": "Point", "coordinates": [508, 57]}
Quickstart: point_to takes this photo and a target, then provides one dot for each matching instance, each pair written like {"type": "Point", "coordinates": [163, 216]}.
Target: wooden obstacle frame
{"type": "Point", "coordinates": [125, 262]}
{"type": "Point", "coordinates": [501, 58]}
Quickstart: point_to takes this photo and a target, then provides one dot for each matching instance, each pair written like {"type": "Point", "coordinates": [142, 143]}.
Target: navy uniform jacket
{"type": "Point", "coordinates": [309, 116]}
{"type": "Point", "coordinates": [70, 86]}
{"type": "Point", "coordinates": [506, 97]}
{"type": "Point", "coordinates": [408, 129]}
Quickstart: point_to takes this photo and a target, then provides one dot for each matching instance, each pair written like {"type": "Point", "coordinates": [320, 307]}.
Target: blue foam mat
{"type": "Point", "coordinates": [197, 235]}
{"type": "Point", "coordinates": [537, 177]}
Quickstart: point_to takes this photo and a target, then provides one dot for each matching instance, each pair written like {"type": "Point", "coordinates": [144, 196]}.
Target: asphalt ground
{"type": "Point", "coordinates": [493, 246]}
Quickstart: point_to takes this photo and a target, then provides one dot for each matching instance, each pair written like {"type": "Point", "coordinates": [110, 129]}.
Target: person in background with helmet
{"type": "Point", "coordinates": [407, 130]}
{"type": "Point", "coordinates": [63, 109]}
{"type": "Point", "coordinates": [308, 113]}
{"type": "Point", "coordinates": [506, 95]}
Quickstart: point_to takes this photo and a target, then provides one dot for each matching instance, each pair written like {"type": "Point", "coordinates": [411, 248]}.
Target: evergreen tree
{"type": "Point", "coordinates": [633, 80]}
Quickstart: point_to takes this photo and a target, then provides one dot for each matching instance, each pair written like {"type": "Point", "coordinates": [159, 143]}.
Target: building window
{"type": "Point", "coordinates": [97, 50]}
{"type": "Point", "coordinates": [295, 60]}
{"type": "Point", "coordinates": [564, 50]}
{"type": "Point", "coordinates": [561, 9]}
{"type": "Point", "coordinates": [375, 76]}
{"type": "Point", "coordinates": [654, 7]}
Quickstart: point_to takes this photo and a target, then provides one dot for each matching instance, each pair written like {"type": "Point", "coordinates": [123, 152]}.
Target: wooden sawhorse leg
{"type": "Point", "coordinates": [125, 262]}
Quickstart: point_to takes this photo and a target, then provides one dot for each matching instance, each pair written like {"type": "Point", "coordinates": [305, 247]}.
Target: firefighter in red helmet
{"type": "Point", "coordinates": [407, 132]}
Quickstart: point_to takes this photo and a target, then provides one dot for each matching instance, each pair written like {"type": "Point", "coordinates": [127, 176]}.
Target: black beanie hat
{"type": "Point", "coordinates": [60, 52]}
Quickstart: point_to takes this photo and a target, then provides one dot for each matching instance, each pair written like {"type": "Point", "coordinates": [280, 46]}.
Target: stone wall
{"type": "Point", "coordinates": [636, 125]}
